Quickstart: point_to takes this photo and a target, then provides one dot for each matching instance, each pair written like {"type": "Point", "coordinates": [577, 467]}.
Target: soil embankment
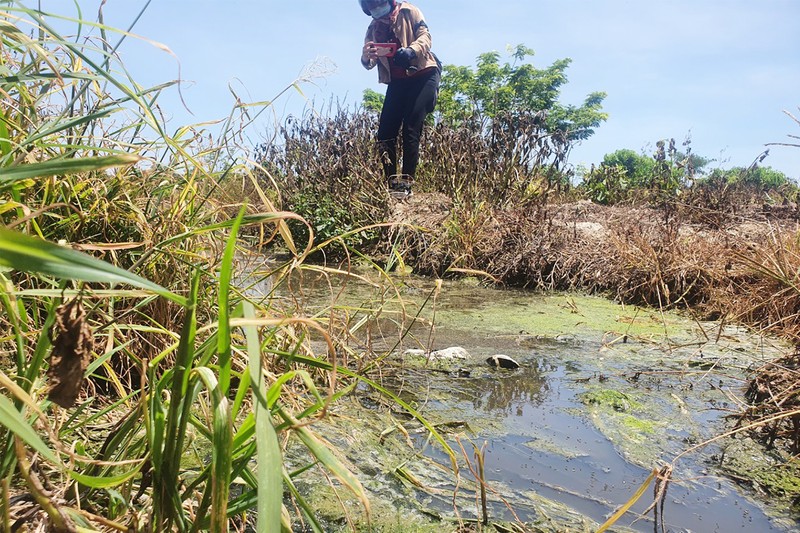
{"type": "Point", "coordinates": [734, 266]}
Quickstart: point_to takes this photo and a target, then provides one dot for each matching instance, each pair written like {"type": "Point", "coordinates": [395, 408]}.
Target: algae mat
{"type": "Point", "coordinates": [604, 394]}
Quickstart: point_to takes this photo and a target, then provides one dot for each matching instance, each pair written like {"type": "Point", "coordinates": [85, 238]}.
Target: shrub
{"type": "Point", "coordinates": [327, 171]}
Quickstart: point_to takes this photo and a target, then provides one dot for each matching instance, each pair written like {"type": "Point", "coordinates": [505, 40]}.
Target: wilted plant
{"type": "Point", "coordinates": [512, 160]}
{"type": "Point", "coordinates": [327, 171]}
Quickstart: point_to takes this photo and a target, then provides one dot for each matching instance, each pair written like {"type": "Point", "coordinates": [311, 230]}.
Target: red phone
{"type": "Point", "coordinates": [386, 49]}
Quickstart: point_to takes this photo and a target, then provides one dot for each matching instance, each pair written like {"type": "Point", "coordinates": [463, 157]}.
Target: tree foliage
{"type": "Point", "coordinates": [372, 100]}
{"type": "Point", "coordinates": [636, 167]}
{"type": "Point", "coordinates": [756, 177]}
{"type": "Point", "coordinates": [492, 90]}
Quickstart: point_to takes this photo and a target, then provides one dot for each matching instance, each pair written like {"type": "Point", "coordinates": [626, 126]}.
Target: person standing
{"type": "Point", "coordinates": [399, 44]}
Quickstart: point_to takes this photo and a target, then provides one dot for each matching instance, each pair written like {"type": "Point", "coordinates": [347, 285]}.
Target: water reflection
{"type": "Point", "coordinates": [507, 393]}
{"type": "Point", "coordinates": [541, 439]}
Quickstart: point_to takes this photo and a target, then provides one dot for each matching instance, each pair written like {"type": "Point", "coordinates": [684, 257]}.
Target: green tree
{"type": "Point", "coordinates": [761, 178]}
{"type": "Point", "coordinates": [637, 167]}
{"type": "Point", "coordinates": [493, 91]}
{"type": "Point", "coordinates": [372, 100]}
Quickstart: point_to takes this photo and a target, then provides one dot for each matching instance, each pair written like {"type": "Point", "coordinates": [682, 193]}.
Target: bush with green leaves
{"type": "Point", "coordinates": [606, 184]}
{"type": "Point", "coordinates": [626, 175]}
{"type": "Point", "coordinates": [330, 219]}
{"type": "Point", "coordinates": [637, 168]}
{"type": "Point", "coordinates": [757, 178]}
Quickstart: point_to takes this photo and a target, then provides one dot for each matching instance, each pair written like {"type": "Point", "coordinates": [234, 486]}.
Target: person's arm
{"type": "Point", "coordinates": [422, 37]}
{"type": "Point", "coordinates": [369, 54]}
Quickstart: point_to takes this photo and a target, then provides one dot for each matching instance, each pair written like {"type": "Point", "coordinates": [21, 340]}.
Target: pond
{"type": "Point", "coordinates": [604, 394]}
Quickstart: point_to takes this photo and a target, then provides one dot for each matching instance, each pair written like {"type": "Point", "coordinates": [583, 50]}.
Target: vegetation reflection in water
{"type": "Point", "coordinates": [604, 394]}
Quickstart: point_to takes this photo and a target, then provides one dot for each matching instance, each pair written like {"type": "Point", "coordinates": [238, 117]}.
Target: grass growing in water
{"type": "Point", "coordinates": [195, 386]}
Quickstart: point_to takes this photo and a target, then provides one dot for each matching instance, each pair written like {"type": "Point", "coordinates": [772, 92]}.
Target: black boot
{"type": "Point", "coordinates": [400, 186]}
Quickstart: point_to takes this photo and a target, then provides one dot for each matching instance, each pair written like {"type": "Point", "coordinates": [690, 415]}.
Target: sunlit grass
{"type": "Point", "coordinates": [192, 382]}
{"type": "Point", "coordinates": [195, 385]}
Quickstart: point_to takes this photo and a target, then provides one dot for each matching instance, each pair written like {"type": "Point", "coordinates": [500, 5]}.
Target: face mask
{"type": "Point", "coordinates": [381, 11]}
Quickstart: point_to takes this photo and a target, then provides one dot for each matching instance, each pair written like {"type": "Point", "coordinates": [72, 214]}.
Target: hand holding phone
{"type": "Point", "coordinates": [385, 49]}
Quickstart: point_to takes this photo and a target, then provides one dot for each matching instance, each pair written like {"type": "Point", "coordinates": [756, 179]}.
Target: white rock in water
{"type": "Point", "coordinates": [502, 361]}
{"type": "Point", "coordinates": [411, 352]}
{"type": "Point", "coordinates": [450, 354]}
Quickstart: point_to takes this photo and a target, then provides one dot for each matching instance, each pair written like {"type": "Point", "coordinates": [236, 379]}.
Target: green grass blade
{"type": "Point", "coordinates": [177, 415]}
{"type": "Point", "coordinates": [63, 125]}
{"type": "Point", "coordinates": [17, 326]}
{"type": "Point", "coordinates": [94, 416]}
{"type": "Point", "coordinates": [225, 277]}
{"type": "Point", "coordinates": [261, 218]}
{"type": "Point", "coordinates": [104, 482]}
{"type": "Point", "coordinates": [27, 78]}
{"type": "Point", "coordinates": [28, 254]}
{"type": "Point", "coordinates": [97, 363]}
{"type": "Point", "coordinates": [274, 392]}
{"type": "Point", "coordinates": [305, 507]}
{"type": "Point", "coordinates": [221, 454]}
{"type": "Point", "coordinates": [268, 455]}
{"type": "Point", "coordinates": [43, 344]}
{"type": "Point", "coordinates": [5, 142]}
{"type": "Point", "coordinates": [57, 167]}
{"type": "Point", "coordinates": [12, 419]}
{"type": "Point", "coordinates": [246, 430]}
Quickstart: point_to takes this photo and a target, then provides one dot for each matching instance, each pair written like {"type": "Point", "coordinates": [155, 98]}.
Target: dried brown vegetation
{"type": "Point", "coordinates": [773, 395]}
{"type": "Point", "coordinates": [626, 252]}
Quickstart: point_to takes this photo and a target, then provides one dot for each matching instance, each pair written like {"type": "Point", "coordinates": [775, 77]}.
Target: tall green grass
{"type": "Point", "coordinates": [194, 385]}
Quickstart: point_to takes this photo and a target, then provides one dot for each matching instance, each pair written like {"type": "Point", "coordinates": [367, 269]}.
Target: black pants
{"type": "Point", "coordinates": [408, 101]}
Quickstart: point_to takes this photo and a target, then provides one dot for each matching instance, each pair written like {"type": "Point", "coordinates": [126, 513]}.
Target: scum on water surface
{"type": "Point", "coordinates": [605, 393]}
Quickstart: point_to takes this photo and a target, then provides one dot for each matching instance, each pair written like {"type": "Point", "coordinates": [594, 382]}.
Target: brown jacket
{"type": "Point", "coordinates": [410, 29]}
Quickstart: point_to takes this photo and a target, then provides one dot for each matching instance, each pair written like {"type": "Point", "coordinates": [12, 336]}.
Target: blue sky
{"type": "Point", "coordinates": [719, 71]}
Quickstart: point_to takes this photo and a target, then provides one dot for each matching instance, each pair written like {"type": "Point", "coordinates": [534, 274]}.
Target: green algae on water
{"type": "Point", "coordinates": [619, 401]}
{"type": "Point", "coordinates": [555, 315]}
{"type": "Point", "coordinates": [769, 472]}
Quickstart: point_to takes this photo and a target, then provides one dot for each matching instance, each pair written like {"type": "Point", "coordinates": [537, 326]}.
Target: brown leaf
{"type": "Point", "coordinates": [72, 349]}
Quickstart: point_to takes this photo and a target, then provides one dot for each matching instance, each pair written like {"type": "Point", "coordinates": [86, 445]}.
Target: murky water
{"type": "Point", "coordinates": [555, 451]}
{"type": "Point", "coordinates": [553, 448]}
